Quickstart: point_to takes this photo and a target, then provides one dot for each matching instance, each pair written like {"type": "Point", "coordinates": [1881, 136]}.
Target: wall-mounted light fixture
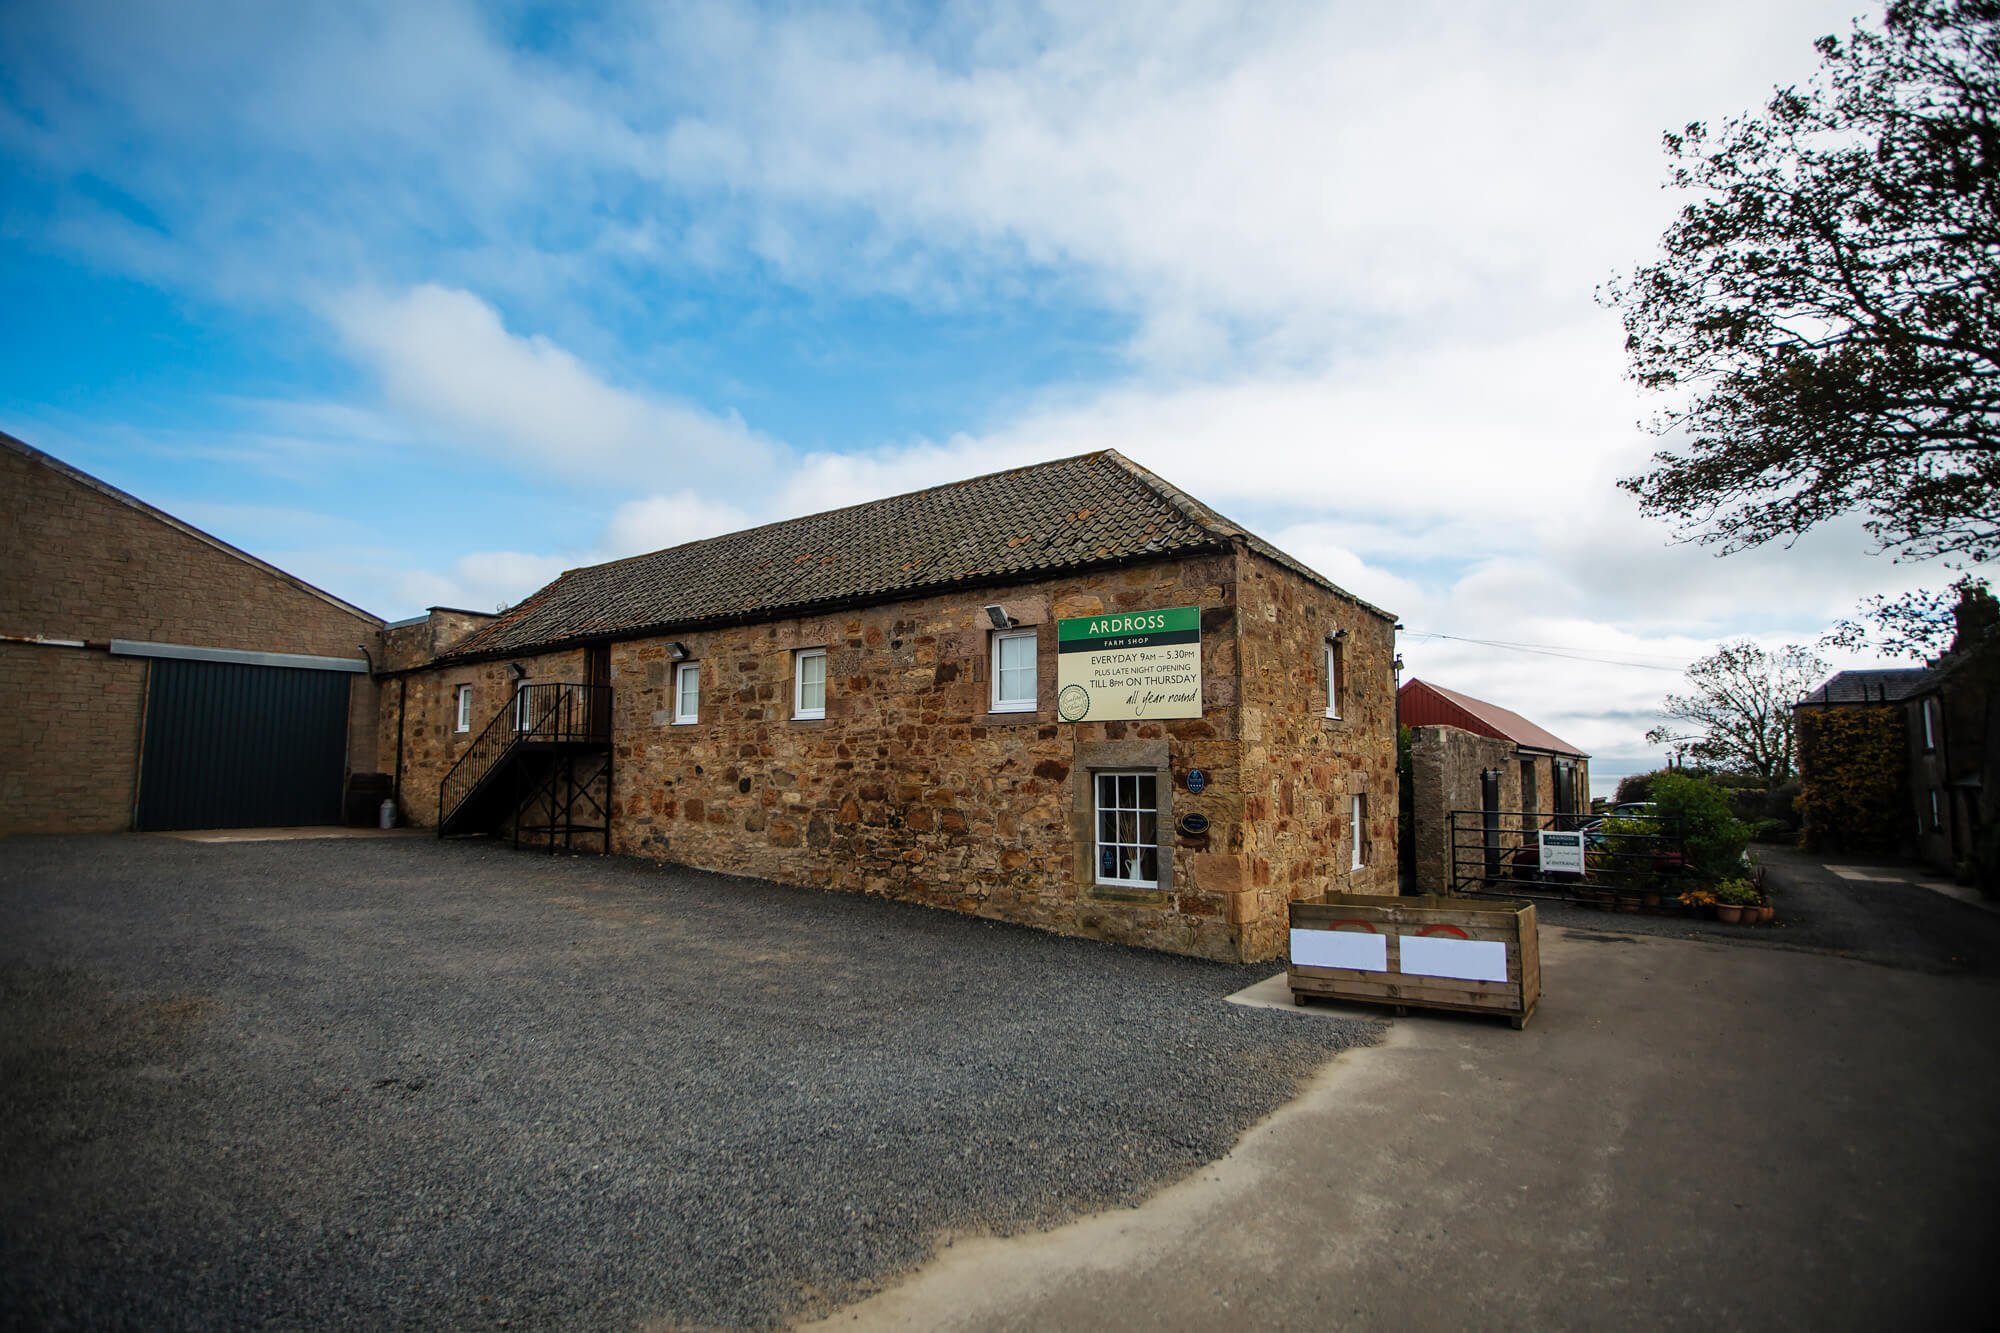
{"type": "Point", "coordinates": [678, 651]}
{"type": "Point", "coordinates": [1397, 665]}
{"type": "Point", "coordinates": [1339, 634]}
{"type": "Point", "coordinates": [518, 670]}
{"type": "Point", "coordinates": [998, 615]}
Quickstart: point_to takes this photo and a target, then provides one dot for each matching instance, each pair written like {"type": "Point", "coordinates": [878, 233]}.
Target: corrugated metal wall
{"type": "Point", "coordinates": [236, 746]}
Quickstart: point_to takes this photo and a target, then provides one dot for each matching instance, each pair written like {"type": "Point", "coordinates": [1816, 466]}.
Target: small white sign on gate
{"type": "Point", "coordinates": [1562, 853]}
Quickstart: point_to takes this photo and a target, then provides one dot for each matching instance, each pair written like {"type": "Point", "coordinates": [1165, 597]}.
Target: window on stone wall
{"type": "Point", "coordinates": [1128, 832]}
{"type": "Point", "coordinates": [1014, 671]}
{"type": "Point", "coordinates": [1937, 811]}
{"type": "Point", "coordinates": [1336, 676]}
{"type": "Point", "coordinates": [1358, 814]}
{"type": "Point", "coordinates": [465, 708]}
{"type": "Point", "coordinates": [809, 683]}
{"type": "Point", "coordinates": [687, 693]}
{"type": "Point", "coordinates": [1930, 725]}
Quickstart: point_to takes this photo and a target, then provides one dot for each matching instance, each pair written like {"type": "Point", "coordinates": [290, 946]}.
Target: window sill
{"type": "Point", "coordinates": [1133, 894]}
{"type": "Point", "coordinates": [685, 721]}
{"type": "Point", "coordinates": [1011, 718]}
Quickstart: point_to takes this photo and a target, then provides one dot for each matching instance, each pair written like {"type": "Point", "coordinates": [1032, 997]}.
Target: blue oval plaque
{"type": "Point", "coordinates": [1196, 781]}
{"type": "Point", "coordinates": [1194, 825]}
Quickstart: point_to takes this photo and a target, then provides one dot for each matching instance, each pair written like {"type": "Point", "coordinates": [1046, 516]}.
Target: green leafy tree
{"type": "Point", "coordinates": [1825, 316]}
{"type": "Point", "coordinates": [1737, 714]}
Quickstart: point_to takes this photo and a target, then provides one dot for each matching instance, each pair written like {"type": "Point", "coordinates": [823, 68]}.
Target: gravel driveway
{"type": "Point", "coordinates": [398, 1082]}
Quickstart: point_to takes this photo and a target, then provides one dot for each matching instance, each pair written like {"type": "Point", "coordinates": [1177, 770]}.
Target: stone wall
{"type": "Point", "coordinates": [1304, 768]}
{"type": "Point", "coordinates": [82, 564]}
{"type": "Point", "coordinates": [1445, 764]}
{"type": "Point", "coordinates": [414, 643]}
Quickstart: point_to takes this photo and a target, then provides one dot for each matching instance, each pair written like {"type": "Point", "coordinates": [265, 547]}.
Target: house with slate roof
{"type": "Point", "coordinates": [1069, 695]}
{"type": "Point", "coordinates": [1947, 738]}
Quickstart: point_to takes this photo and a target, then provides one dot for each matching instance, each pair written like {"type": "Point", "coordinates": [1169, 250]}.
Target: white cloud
{"type": "Point", "coordinates": [660, 521]}
{"type": "Point", "coordinates": [444, 358]}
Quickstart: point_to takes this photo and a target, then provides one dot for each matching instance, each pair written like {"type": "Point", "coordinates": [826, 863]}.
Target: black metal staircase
{"type": "Point", "coordinates": [540, 772]}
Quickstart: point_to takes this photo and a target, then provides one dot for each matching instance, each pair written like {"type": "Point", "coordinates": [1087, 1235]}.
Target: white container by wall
{"type": "Point", "coordinates": [388, 813]}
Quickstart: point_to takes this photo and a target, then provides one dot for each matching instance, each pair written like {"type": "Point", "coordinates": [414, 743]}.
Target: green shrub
{"type": "Point", "coordinates": [1772, 830]}
{"type": "Point", "coordinates": [1738, 893]}
{"type": "Point", "coordinates": [1699, 814]}
{"type": "Point", "coordinates": [1635, 787]}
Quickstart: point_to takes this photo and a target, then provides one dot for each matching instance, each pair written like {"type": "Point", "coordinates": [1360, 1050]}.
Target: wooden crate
{"type": "Point", "coordinates": [1414, 951]}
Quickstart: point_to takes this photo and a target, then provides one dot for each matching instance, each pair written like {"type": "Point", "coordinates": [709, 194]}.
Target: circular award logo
{"type": "Point", "coordinates": [1073, 703]}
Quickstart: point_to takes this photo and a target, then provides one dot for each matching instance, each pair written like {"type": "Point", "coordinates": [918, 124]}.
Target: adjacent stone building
{"type": "Point", "coordinates": [1068, 695]}
{"type": "Point", "coordinates": [153, 676]}
{"type": "Point", "coordinates": [1471, 756]}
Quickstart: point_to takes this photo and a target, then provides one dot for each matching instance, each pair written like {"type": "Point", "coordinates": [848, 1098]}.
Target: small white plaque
{"type": "Point", "coordinates": [1463, 960]}
{"type": "Point", "coordinates": [1562, 853]}
{"type": "Point", "coordinates": [1341, 948]}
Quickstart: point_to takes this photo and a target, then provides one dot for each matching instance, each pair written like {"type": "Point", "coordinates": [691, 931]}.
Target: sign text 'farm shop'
{"type": "Point", "coordinates": [1134, 664]}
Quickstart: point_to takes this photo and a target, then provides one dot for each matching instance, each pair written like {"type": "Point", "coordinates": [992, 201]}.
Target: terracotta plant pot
{"type": "Point", "coordinates": [1628, 904]}
{"type": "Point", "coordinates": [1729, 914]}
{"type": "Point", "coordinates": [1767, 914]}
{"type": "Point", "coordinates": [1652, 900]}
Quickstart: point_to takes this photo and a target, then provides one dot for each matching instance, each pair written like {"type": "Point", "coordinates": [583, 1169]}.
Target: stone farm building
{"type": "Point", "coordinates": [1468, 755]}
{"type": "Point", "coordinates": [868, 700]}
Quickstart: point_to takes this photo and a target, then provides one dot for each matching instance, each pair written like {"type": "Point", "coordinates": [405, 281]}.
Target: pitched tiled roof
{"type": "Point", "coordinates": [1420, 704]}
{"type": "Point", "coordinates": [1884, 685]}
{"type": "Point", "coordinates": [1026, 523]}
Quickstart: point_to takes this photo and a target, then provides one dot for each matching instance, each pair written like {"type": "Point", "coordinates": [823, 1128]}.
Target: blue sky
{"type": "Point", "coordinates": [428, 301]}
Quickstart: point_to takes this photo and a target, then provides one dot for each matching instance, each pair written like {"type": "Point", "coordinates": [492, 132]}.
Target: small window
{"type": "Point", "coordinates": [687, 693]}
{"type": "Point", "coordinates": [521, 712]}
{"type": "Point", "coordinates": [1128, 834]}
{"type": "Point", "coordinates": [465, 708]}
{"type": "Point", "coordinates": [1358, 812]}
{"type": "Point", "coordinates": [1014, 671]}
{"type": "Point", "coordinates": [1336, 676]}
{"type": "Point", "coordinates": [1937, 811]}
{"type": "Point", "coordinates": [809, 683]}
{"type": "Point", "coordinates": [1930, 725]}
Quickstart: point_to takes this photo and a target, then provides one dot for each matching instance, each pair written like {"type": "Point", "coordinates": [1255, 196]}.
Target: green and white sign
{"type": "Point", "coordinates": [1130, 665]}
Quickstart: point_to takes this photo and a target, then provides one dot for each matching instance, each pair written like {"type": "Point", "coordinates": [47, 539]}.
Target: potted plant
{"type": "Point", "coordinates": [1732, 898]}
{"type": "Point", "coordinates": [1696, 900]}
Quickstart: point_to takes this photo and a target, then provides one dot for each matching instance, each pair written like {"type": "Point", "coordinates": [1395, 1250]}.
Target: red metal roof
{"type": "Point", "coordinates": [1422, 704]}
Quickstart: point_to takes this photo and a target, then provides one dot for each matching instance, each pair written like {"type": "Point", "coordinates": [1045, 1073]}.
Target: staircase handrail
{"type": "Point", "coordinates": [538, 711]}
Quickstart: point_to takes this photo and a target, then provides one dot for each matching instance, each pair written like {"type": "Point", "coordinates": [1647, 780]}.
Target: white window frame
{"type": "Point", "coordinates": [1930, 730]}
{"type": "Point", "coordinates": [1031, 702]}
{"type": "Point", "coordinates": [1937, 812]}
{"type": "Point", "coordinates": [521, 705]}
{"type": "Point", "coordinates": [1336, 675]}
{"type": "Point", "coordinates": [682, 673]}
{"type": "Point", "coordinates": [464, 705]}
{"type": "Point", "coordinates": [1357, 813]}
{"type": "Point", "coordinates": [800, 712]}
{"type": "Point", "coordinates": [1098, 810]}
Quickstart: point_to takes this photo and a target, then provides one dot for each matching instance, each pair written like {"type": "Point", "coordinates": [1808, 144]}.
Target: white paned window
{"type": "Point", "coordinates": [687, 693]}
{"type": "Point", "coordinates": [1128, 832]}
{"type": "Point", "coordinates": [809, 683]}
{"type": "Point", "coordinates": [465, 708]}
{"type": "Point", "coordinates": [1937, 811]}
{"type": "Point", "coordinates": [1930, 725]}
{"type": "Point", "coordinates": [1336, 675]}
{"type": "Point", "coordinates": [1014, 671]}
{"type": "Point", "coordinates": [1358, 813]}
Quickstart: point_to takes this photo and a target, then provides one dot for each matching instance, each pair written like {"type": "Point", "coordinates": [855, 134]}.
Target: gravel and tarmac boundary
{"type": "Point", "coordinates": [367, 1083]}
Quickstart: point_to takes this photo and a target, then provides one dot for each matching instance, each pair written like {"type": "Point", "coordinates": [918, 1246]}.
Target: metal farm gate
{"type": "Point", "coordinates": [231, 745]}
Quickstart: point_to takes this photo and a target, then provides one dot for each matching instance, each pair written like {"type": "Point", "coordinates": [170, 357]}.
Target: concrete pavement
{"type": "Point", "coordinates": [1688, 1134]}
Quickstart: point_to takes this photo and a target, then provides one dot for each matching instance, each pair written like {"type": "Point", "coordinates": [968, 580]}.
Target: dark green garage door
{"type": "Point", "coordinates": [236, 746]}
